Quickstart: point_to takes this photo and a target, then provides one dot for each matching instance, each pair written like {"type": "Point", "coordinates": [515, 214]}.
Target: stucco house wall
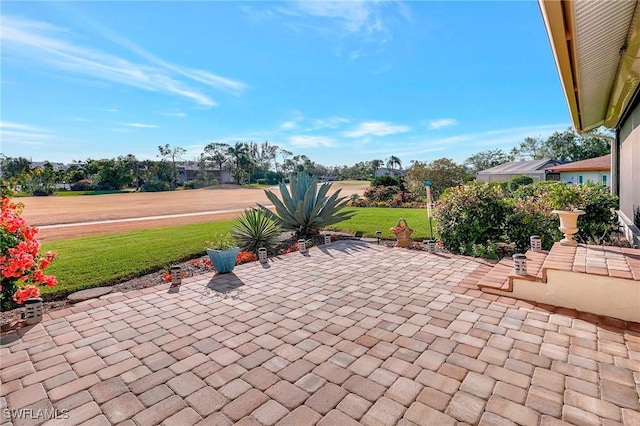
{"type": "Point", "coordinates": [494, 177]}
{"type": "Point", "coordinates": [629, 161]}
{"type": "Point", "coordinates": [391, 172]}
{"type": "Point", "coordinates": [593, 176]}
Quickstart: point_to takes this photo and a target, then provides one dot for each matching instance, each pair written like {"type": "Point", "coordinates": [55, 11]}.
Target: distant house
{"type": "Point", "coordinates": [188, 170]}
{"type": "Point", "coordinates": [594, 169]}
{"type": "Point", "coordinates": [535, 169]}
{"type": "Point", "coordinates": [54, 166]}
{"type": "Point", "coordinates": [385, 171]}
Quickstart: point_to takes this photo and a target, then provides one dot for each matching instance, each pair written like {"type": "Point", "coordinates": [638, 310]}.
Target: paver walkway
{"type": "Point", "coordinates": [354, 333]}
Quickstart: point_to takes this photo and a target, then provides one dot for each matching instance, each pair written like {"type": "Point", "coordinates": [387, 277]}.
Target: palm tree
{"type": "Point", "coordinates": [376, 164]}
{"type": "Point", "coordinates": [393, 161]}
{"type": "Point", "coordinates": [285, 154]}
{"type": "Point", "coordinates": [217, 153]}
{"type": "Point", "coordinates": [241, 157]}
{"type": "Point", "coordinates": [268, 154]}
{"type": "Point", "coordinates": [174, 154]}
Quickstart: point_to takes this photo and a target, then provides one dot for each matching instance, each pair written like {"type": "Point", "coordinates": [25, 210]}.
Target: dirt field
{"type": "Point", "coordinates": [47, 212]}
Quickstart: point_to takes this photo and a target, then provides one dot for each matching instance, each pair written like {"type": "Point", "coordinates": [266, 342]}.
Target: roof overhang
{"type": "Point", "coordinates": [596, 45]}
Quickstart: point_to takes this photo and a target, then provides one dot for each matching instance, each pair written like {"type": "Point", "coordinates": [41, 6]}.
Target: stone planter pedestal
{"type": "Point", "coordinates": [568, 225]}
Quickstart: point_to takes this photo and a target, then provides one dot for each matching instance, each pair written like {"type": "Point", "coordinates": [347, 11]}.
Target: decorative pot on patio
{"type": "Point", "coordinates": [568, 225]}
{"type": "Point", "coordinates": [403, 234]}
{"type": "Point", "coordinates": [223, 261]}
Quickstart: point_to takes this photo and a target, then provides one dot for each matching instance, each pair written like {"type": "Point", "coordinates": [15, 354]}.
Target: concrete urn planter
{"type": "Point", "coordinates": [568, 225]}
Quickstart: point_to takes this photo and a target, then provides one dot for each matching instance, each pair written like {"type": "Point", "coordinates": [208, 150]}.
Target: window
{"type": "Point", "coordinates": [580, 180]}
{"type": "Point", "coordinates": [604, 179]}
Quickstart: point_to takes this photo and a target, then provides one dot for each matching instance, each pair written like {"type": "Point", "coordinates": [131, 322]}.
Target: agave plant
{"type": "Point", "coordinates": [255, 229]}
{"type": "Point", "coordinates": [306, 208]}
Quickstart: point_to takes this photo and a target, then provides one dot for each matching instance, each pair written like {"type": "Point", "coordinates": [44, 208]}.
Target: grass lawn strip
{"type": "Point", "coordinates": [101, 260]}
{"type": "Point", "coordinates": [368, 220]}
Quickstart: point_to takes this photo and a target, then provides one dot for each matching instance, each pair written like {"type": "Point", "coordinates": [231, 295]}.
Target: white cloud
{"type": "Point", "coordinates": [512, 136]}
{"type": "Point", "coordinates": [110, 110]}
{"type": "Point", "coordinates": [40, 41]}
{"type": "Point", "coordinates": [174, 114]}
{"type": "Point", "coordinates": [23, 134]}
{"type": "Point", "coordinates": [330, 123]}
{"type": "Point", "coordinates": [443, 122]}
{"type": "Point", "coordinates": [463, 145]}
{"type": "Point", "coordinates": [354, 15]}
{"type": "Point", "coordinates": [376, 128]}
{"type": "Point", "coordinates": [363, 20]}
{"type": "Point", "coordinates": [293, 123]}
{"type": "Point", "coordinates": [141, 125]}
{"type": "Point", "coordinates": [311, 141]}
{"type": "Point", "coordinates": [213, 80]}
{"type": "Point", "coordinates": [18, 126]}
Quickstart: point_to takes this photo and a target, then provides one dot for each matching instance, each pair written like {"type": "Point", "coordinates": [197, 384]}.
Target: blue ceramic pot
{"type": "Point", "coordinates": [223, 260]}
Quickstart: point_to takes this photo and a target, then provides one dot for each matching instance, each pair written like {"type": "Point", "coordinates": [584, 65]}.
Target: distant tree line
{"type": "Point", "coordinates": [266, 163]}
{"type": "Point", "coordinates": [563, 146]}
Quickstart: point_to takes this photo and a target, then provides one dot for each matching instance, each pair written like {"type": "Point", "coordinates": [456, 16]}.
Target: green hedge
{"type": "Point", "coordinates": [481, 213]}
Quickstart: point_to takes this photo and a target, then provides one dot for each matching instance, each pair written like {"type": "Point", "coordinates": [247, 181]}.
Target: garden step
{"type": "Point", "coordinates": [633, 260]}
{"type": "Point", "coordinates": [617, 262]}
{"type": "Point", "coordinates": [90, 293]}
{"type": "Point", "coordinates": [560, 258]}
{"type": "Point", "coordinates": [500, 277]}
{"type": "Point", "coordinates": [535, 260]}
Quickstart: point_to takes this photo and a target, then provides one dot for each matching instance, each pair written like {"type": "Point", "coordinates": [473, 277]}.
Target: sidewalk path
{"type": "Point", "coordinates": [143, 219]}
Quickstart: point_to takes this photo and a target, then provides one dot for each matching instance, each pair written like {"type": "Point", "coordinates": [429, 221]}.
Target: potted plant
{"type": "Point", "coordinates": [565, 198]}
{"type": "Point", "coordinates": [222, 251]}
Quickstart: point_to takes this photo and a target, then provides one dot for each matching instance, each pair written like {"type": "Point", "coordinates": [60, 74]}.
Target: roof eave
{"type": "Point", "coordinates": [558, 22]}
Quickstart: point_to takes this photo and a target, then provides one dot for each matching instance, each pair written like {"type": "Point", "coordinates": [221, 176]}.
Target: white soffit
{"type": "Point", "coordinates": [601, 29]}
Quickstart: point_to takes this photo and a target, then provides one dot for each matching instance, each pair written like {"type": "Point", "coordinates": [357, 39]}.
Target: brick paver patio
{"type": "Point", "coordinates": [353, 333]}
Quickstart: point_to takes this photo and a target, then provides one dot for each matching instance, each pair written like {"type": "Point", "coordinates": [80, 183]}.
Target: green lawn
{"type": "Point", "coordinates": [257, 185]}
{"type": "Point", "coordinates": [102, 260]}
{"type": "Point", "coordinates": [368, 220]}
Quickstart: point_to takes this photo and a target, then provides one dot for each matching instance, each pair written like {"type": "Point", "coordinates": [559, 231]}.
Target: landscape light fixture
{"type": "Point", "coordinates": [378, 235]}
{"type": "Point", "coordinates": [176, 276]}
{"type": "Point", "coordinates": [262, 255]}
{"type": "Point", "coordinates": [32, 313]}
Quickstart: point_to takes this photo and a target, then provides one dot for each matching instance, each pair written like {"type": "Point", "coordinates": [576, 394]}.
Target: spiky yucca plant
{"type": "Point", "coordinates": [255, 229]}
{"type": "Point", "coordinates": [306, 208]}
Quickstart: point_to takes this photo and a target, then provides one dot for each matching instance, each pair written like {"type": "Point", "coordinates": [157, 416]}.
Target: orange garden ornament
{"type": "Point", "coordinates": [403, 234]}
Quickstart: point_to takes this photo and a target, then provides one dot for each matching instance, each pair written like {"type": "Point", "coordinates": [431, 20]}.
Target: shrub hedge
{"type": "Point", "coordinates": [471, 214]}
{"type": "Point", "coordinates": [482, 213]}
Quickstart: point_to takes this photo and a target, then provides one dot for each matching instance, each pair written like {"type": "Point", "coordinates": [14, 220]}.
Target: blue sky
{"type": "Point", "coordinates": [340, 82]}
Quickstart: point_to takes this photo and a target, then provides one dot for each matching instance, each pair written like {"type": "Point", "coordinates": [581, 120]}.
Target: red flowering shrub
{"type": "Point", "coordinates": [289, 249]}
{"type": "Point", "coordinates": [245, 256]}
{"type": "Point", "coordinates": [21, 265]}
